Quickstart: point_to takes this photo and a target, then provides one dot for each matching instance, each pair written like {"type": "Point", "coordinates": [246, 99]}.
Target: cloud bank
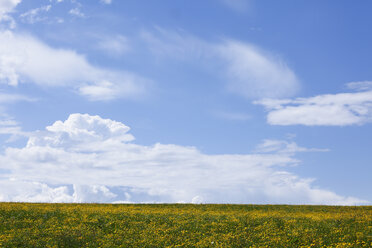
{"type": "Point", "coordinates": [90, 159]}
{"type": "Point", "coordinates": [343, 109]}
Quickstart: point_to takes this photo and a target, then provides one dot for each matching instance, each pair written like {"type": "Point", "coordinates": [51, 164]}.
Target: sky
{"type": "Point", "coordinates": [215, 101]}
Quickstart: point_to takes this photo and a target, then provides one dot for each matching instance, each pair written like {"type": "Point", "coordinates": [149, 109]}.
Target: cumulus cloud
{"type": "Point", "coordinates": [341, 109]}
{"type": "Point", "coordinates": [90, 159]}
{"type": "Point", "coordinates": [25, 59]}
{"type": "Point", "coordinates": [248, 70]}
{"type": "Point", "coordinates": [81, 130]}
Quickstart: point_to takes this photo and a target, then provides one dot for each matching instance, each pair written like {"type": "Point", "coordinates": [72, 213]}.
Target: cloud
{"type": "Point", "coordinates": [249, 71]}
{"type": "Point", "coordinates": [11, 128]}
{"type": "Point", "coordinates": [32, 16]}
{"type": "Point", "coordinates": [76, 12]}
{"type": "Point", "coordinates": [282, 146]}
{"type": "Point", "coordinates": [6, 7]}
{"type": "Point", "coordinates": [90, 159]}
{"type": "Point", "coordinates": [361, 86]}
{"type": "Point", "coordinates": [255, 74]}
{"type": "Point", "coordinates": [81, 129]}
{"type": "Point", "coordinates": [8, 126]}
{"type": "Point", "coordinates": [341, 109]}
{"type": "Point", "coordinates": [25, 59]}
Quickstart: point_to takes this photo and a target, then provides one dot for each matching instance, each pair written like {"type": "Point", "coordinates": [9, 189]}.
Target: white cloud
{"type": "Point", "coordinates": [76, 12]}
{"type": "Point", "coordinates": [323, 110]}
{"type": "Point", "coordinates": [20, 191]}
{"type": "Point", "coordinates": [25, 59]}
{"type": "Point", "coordinates": [362, 86]}
{"type": "Point", "coordinates": [248, 70]}
{"type": "Point", "coordinates": [87, 158]}
{"type": "Point", "coordinates": [81, 130]}
{"type": "Point", "coordinates": [32, 16]}
{"type": "Point", "coordinates": [255, 74]}
{"type": "Point", "coordinates": [9, 126]}
{"type": "Point", "coordinates": [282, 146]}
{"type": "Point", "coordinates": [6, 7]}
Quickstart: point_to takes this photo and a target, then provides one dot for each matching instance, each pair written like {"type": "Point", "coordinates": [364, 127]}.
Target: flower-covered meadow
{"type": "Point", "coordinates": [183, 225]}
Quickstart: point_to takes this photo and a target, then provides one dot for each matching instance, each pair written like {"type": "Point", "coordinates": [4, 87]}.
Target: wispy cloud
{"type": "Point", "coordinates": [283, 146]}
{"type": "Point", "coordinates": [254, 73]}
{"type": "Point", "coordinates": [87, 158]}
{"type": "Point", "coordinates": [361, 86]}
{"type": "Point", "coordinates": [249, 71]}
{"type": "Point", "coordinates": [24, 58]}
{"type": "Point", "coordinates": [34, 15]}
{"type": "Point", "coordinates": [341, 109]}
{"type": "Point", "coordinates": [10, 127]}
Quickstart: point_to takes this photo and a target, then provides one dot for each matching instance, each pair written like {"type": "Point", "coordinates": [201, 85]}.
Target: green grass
{"type": "Point", "coordinates": [183, 225]}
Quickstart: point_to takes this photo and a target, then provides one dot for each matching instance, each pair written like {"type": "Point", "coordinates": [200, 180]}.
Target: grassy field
{"type": "Point", "coordinates": [183, 225]}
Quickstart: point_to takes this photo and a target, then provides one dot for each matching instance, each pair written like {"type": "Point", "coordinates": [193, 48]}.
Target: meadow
{"type": "Point", "coordinates": [183, 225]}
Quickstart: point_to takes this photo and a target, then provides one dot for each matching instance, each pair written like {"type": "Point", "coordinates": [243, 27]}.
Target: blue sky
{"type": "Point", "coordinates": [236, 101]}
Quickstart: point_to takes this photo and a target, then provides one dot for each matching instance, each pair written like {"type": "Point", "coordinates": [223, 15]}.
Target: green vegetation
{"type": "Point", "coordinates": [183, 225]}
